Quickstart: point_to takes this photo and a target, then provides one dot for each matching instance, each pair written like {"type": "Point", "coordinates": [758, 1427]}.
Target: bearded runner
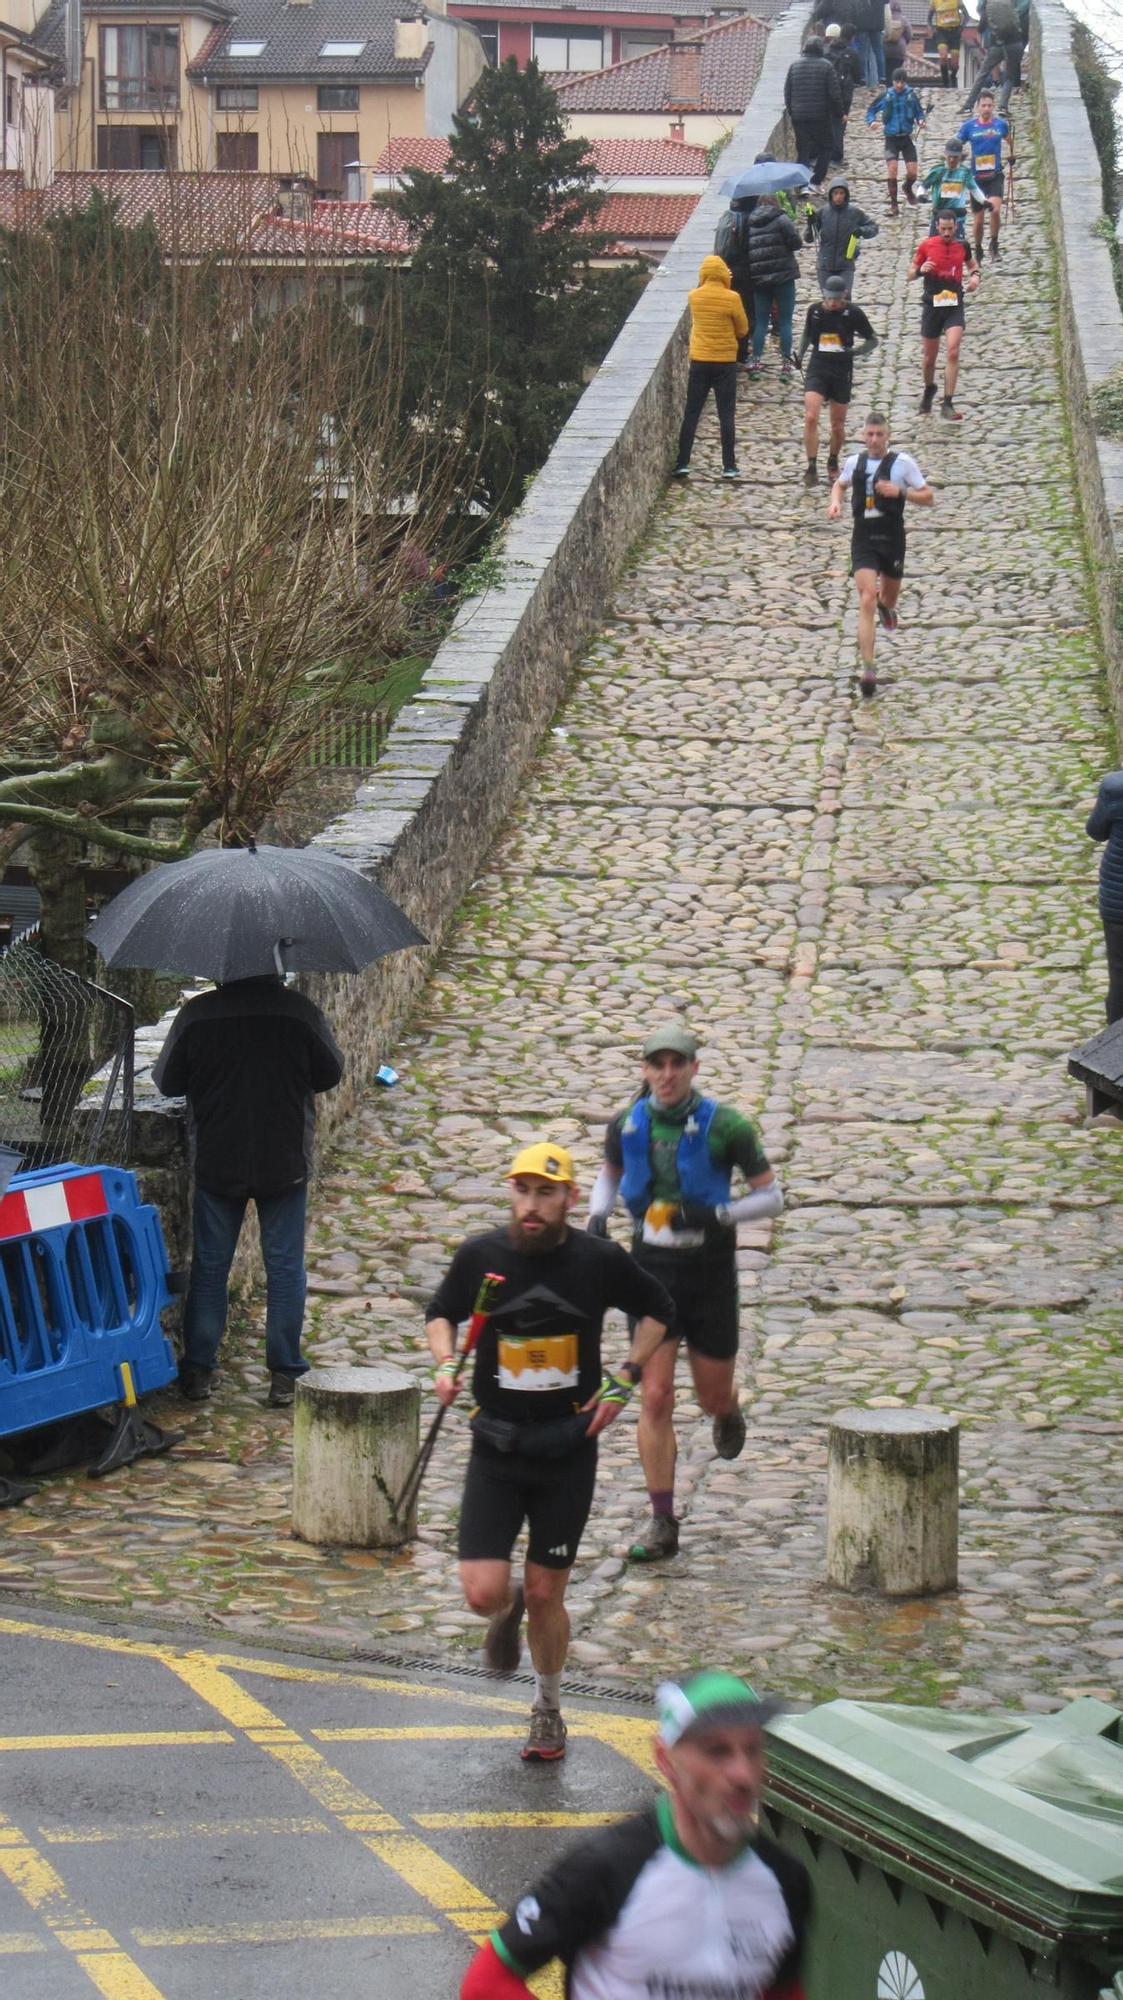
{"type": "Point", "coordinates": [671, 1156]}
{"type": "Point", "coordinates": [542, 1398]}
{"type": "Point", "coordinates": [686, 1901]}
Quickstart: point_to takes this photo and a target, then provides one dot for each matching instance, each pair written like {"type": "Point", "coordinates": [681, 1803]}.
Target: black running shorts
{"type": "Point", "coordinates": [897, 147]}
{"type": "Point", "coordinates": [935, 320]}
{"type": "Point", "coordinates": [886, 556]}
{"type": "Point", "coordinates": [503, 1490]}
{"type": "Point", "coordinates": [829, 381]}
{"type": "Point", "coordinates": [950, 37]}
{"type": "Point", "coordinates": [703, 1286]}
{"type": "Point", "coordinates": [992, 185]}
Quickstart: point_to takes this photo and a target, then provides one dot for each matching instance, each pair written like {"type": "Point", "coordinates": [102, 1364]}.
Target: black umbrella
{"type": "Point", "coordinates": [240, 912]}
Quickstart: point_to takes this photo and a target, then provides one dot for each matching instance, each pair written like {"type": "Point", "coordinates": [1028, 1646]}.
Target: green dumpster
{"type": "Point", "coordinates": [955, 1857]}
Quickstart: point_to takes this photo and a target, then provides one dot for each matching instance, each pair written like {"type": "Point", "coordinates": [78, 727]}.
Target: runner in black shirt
{"type": "Point", "coordinates": [542, 1398]}
{"type": "Point", "coordinates": [829, 331]}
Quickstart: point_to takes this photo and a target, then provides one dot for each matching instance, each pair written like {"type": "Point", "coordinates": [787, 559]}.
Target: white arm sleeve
{"type": "Point", "coordinates": [602, 1200]}
{"type": "Point", "coordinates": [751, 1207]}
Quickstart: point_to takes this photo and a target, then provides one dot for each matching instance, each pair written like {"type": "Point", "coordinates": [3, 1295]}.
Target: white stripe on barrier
{"type": "Point", "coordinates": [47, 1207]}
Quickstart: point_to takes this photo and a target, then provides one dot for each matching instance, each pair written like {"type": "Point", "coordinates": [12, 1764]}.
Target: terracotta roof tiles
{"type": "Point", "coordinates": [729, 59]}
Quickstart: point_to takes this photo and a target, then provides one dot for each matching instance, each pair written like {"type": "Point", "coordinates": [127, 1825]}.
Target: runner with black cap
{"type": "Point", "coordinates": [671, 1156]}
{"type": "Point", "coordinates": [881, 479]}
{"type": "Point", "coordinates": [542, 1398]}
{"type": "Point", "coordinates": [829, 331]}
{"type": "Point", "coordinates": [686, 1898]}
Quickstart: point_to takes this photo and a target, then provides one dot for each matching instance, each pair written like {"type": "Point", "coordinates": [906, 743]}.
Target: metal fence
{"type": "Point", "coordinates": [349, 740]}
{"type": "Point", "coordinates": [66, 1063]}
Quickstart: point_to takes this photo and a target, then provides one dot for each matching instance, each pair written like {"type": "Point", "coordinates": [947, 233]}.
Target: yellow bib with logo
{"type": "Point", "coordinates": [548, 1362]}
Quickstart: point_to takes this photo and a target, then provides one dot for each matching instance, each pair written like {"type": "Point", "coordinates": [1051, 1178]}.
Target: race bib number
{"type": "Point", "coordinates": [659, 1227]}
{"type": "Point", "coordinates": [830, 343]}
{"type": "Point", "coordinates": [549, 1362]}
{"type": "Point", "coordinates": [953, 190]}
{"type": "Point", "coordinates": [985, 163]}
{"type": "Point", "coordinates": [946, 299]}
{"type": "Point", "coordinates": [873, 511]}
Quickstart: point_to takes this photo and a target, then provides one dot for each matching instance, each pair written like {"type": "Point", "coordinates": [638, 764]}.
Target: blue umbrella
{"type": "Point", "coordinates": [768, 178]}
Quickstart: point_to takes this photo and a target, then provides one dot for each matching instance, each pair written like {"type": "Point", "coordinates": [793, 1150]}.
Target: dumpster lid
{"type": "Point", "coordinates": [1028, 1808]}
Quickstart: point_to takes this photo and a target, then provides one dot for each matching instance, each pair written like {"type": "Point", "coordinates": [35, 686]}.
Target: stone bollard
{"type": "Point", "coordinates": [893, 1501]}
{"type": "Point", "coordinates": [354, 1438]}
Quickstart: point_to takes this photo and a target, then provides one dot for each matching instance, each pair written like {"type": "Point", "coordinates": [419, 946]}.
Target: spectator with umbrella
{"type": "Point", "coordinates": [765, 176]}
{"type": "Point", "coordinates": [250, 1057]}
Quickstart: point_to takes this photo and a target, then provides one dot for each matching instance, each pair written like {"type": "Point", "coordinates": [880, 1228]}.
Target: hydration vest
{"type": "Point", "coordinates": [945, 13]}
{"type": "Point", "coordinates": [889, 512]}
{"type": "Point", "coordinates": [698, 1178]}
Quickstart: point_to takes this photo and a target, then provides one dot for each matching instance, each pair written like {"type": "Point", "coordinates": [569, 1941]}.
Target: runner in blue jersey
{"type": "Point", "coordinates": [985, 136]}
{"type": "Point", "coordinates": [902, 115]}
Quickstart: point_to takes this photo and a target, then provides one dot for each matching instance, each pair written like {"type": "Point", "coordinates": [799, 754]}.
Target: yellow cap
{"type": "Point", "coordinates": [550, 1163]}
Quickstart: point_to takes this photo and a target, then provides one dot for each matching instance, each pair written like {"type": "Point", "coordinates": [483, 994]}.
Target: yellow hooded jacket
{"type": "Point", "coordinates": [717, 317]}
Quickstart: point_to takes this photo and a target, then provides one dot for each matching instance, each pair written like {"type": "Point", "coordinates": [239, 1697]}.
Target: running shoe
{"type": "Point", "coordinates": [502, 1645]}
{"type": "Point", "coordinates": [196, 1385]}
{"type": "Point", "coordinates": [888, 619]}
{"type": "Point", "coordinates": [787, 368]}
{"type": "Point", "coordinates": [928, 398]}
{"type": "Point", "coordinates": [546, 1741]}
{"type": "Point", "coordinates": [949, 412]}
{"type": "Point", "coordinates": [681, 472]}
{"type": "Point", "coordinates": [729, 1433]}
{"type": "Point", "coordinates": [811, 476]}
{"type": "Point", "coordinates": [656, 1537]}
{"type": "Point", "coordinates": [868, 683]}
{"type": "Point", "coordinates": [832, 466]}
{"type": "Point", "coordinates": [282, 1391]}
{"type": "Point", "coordinates": [753, 368]}
{"type": "Point", "coordinates": [995, 252]}
{"type": "Point", "coordinates": [730, 472]}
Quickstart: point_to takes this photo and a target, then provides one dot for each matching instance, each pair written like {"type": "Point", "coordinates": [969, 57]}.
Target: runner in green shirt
{"type": "Point", "coordinates": [670, 1156]}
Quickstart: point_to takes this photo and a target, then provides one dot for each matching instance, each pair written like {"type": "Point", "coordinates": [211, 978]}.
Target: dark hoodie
{"type": "Point", "coordinates": [772, 241]}
{"type": "Point", "coordinates": [837, 228]}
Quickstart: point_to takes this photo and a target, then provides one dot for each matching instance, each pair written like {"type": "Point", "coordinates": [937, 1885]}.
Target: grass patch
{"type": "Point", "coordinates": [1107, 406]}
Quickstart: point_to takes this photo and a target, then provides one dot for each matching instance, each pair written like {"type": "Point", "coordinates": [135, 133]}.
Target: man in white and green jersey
{"type": "Point", "coordinates": [671, 1156]}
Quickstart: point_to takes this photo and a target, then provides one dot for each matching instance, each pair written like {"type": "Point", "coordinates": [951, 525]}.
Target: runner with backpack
{"type": "Point", "coordinates": [881, 479]}
{"type": "Point", "coordinates": [902, 115]}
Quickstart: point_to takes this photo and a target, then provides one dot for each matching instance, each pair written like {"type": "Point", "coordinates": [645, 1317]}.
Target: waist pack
{"type": "Point", "coordinates": [554, 1440]}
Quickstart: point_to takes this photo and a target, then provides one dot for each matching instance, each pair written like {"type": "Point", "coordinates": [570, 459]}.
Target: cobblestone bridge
{"type": "Point", "coordinates": [883, 921]}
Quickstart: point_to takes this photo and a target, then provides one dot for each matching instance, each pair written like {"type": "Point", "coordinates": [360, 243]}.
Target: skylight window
{"type": "Point", "coordinates": [244, 48]}
{"type": "Point", "coordinates": [343, 48]}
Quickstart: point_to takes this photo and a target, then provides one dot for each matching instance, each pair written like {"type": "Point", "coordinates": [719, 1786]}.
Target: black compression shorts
{"type": "Point", "coordinates": [886, 556]}
{"type": "Point", "coordinates": [703, 1285]}
{"type": "Point", "coordinates": [897, 147]}
{"type": "Point", "coordinates": [935, 320]}
{"type": "Point", "coordinates": [504, 1489]}
{"type": "Point", "coordinates": [992, 185]}
{"type": "Point", "coordinates": [828, 380]}
{"type": "Point", "coordinates": [950, 37]}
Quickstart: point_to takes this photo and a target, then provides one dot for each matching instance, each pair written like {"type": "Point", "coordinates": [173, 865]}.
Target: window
{"type": "Point", "coordinates": [334, 152]}
{"type": "Point", "coordinates": [236, 97]}
{"type": "Point", "coordinates": [127, 148]}
{"type": "Point", "coordinates": [555, 50]}
{"type": "Point", "coordinates": [11, 101]}
{"type": "Point", "coordinates": [338, 97]}
{"type": "Point", "coordinates": [343, 48]}
{"type": "Point", "coordinates": [245, 48]}
{"type": "Point", "coordinates": [637, 43]}
{"type": "Point", "coordinates": [139, 69]}
{"type": "Point", "coordinates": [488, 32]}
{"type": "Point", "coordinates": [236, 152]}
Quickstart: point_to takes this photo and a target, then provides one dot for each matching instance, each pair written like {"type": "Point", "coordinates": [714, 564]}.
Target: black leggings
{"type": "Point", "coordinates": [721, 377]}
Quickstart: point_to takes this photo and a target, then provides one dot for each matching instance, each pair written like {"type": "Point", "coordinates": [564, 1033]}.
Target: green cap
{"type": "Point", "coordinates": [673, 1036]}
{"type": "Point", "coordinates": [710, 1701]}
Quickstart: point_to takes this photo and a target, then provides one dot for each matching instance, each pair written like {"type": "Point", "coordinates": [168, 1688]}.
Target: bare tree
{"type": "Point", "coordinates": [213, 504]}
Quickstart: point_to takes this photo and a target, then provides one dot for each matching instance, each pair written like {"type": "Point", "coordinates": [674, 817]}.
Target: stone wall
{"type": "Point", "coordinates": [456, 758]}
{"type": "Point", "coordinates": [1091, 323]}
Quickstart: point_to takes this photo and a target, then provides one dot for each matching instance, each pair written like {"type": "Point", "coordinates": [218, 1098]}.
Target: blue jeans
{"type": "Point", "coordinates": [216, 1222]}
{"type": "Point", "coordinates": [784, 296]}
{"type": "Point", "coordinates": [870, 49]}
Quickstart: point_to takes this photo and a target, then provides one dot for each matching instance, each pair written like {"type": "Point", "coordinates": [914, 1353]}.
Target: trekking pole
{"type": "Point", "coordinates": [1010, 207]}
{"type": "Point", "coordinates": [485, 1302]}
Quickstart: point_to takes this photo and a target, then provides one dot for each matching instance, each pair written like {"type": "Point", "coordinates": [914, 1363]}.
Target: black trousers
{"type": "Point", "coordinates": [813, 147]}
{"type": "Point", "coordinates": [721, 377]}
{"type": "Point", "coordinates": [1113, 939]}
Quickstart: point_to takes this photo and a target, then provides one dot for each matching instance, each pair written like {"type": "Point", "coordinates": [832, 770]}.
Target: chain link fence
{"type": "Point", "coordinates": [66, 1063]}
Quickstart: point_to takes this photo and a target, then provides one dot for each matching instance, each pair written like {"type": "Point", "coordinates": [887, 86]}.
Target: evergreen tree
{"type": "Point", "coordinates": [501, 301]}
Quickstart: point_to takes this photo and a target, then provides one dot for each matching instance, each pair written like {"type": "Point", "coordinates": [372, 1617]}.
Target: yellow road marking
{"type": "Point", "coordinates": [139, 1739]}
{"type": "Point", "coordinates": [510, 1822]}
{"type": "Point", "coordinates": [289, 1930]}
{"type": "Point", "coordinates": [435, 1732]}
{"type": "Point", "coordinates": [425, 1871]}
{"type": "Point", "coordinates": [160, 1829]}
{"type": "Point", "coordinates": [13, 1943]}
{"type": "Point", "coordinates": [110, 1969]}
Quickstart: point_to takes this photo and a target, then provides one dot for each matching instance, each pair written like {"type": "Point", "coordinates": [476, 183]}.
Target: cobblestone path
{"type": "Point", "coordinates": [883, 922]}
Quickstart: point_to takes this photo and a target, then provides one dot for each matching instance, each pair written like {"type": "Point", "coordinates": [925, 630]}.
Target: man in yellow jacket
{"type": "Point", "coordinates": [717, 323]}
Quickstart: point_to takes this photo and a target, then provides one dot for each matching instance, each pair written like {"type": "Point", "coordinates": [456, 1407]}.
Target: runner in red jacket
{"type": "Point", "coordinates": [940, 261]}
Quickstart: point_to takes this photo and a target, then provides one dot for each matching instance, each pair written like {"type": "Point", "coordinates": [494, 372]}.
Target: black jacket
{"type": "Point", "coordinates": [772, 240]}
{"type": "Point", "coordinates": [249, 1058]}
{"type": "Point", "coordinates": [835, 227]}
{"type": "Point", "coordinates": [1105, 822]}
{"type": "Point", "coordinates": [869, 16]}
{"type": "Point", "coordinates": [847, 66]}
{"type": "Point", "coordinates": [812, 92]}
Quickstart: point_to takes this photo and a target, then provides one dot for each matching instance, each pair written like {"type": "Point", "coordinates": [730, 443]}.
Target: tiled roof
{"type": "Point", "coordinates": [616, 159]}
{"type": "Point", "coordinates": [50, 28]}
{"type": "Point", "coordinates": [209, 214]}
{"type": "Point", "coordinates": [701, 11]}
{"type": "Point", "coordinates": [728, 64]}
{"type": "Point", "coordinates": [635, 218]}
{"type": "Point", "coordinates": [294, 36]}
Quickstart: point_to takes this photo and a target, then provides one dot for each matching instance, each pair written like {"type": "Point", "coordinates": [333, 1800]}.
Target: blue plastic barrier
{"type": "Point", "coordinates": [83, 1281]}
